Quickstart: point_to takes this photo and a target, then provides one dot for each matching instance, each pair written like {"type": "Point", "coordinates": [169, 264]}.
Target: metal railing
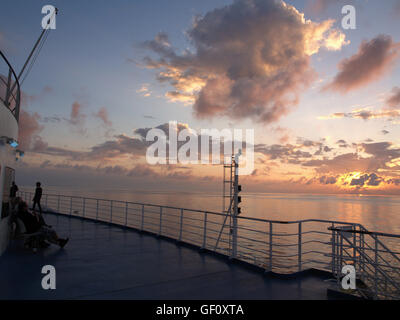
{"type": "Point", "coordinates": [278, 246]}
{"type": "Point", "coordinates": [377, 267]}
{"type": "Point", "coordinates": [10, 94]}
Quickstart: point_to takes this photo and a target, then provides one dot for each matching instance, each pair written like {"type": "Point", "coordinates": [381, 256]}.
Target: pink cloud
{"type": "Point", "coordinates": [102, 114]}
{"type": "Point", "coordinates": [372, 61]}
{"type": "Point", "coordinates": [251, 60]}
{"type": "Point", "coordinates": [29, 129]}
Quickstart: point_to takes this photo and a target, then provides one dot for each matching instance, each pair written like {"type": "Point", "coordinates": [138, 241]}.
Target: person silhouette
{"type": "Point", "coordinates": [13, 190]}
{"type": "Point", "coordinates": [37, 197]}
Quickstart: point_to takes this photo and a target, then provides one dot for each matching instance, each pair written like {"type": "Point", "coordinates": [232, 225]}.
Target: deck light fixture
{"type": "Point", "coordinates": [11, 141]}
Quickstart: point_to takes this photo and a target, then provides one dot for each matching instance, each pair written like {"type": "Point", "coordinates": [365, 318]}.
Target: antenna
{"type": "Point", "coordinates": [44, 32]}
{"type": "Point", "coordinates": [231, 190]}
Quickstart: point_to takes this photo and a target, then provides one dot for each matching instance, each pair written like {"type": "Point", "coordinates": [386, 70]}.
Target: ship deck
{"type": "Point", "coordinates": [103, 261]}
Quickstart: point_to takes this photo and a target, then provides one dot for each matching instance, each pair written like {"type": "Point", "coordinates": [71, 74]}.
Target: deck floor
{"type": "Point", "coordinates": [108, 262]}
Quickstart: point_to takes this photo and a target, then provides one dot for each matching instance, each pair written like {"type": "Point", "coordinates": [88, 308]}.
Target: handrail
{"type": "Point", "coordinates": [275, 245]}
{"type": "Point", "coordinates": [372, 233]}
{"type": "Point", "coordinates": [10, 94]}
{"type": "Point", "coordinates": [206, 211]}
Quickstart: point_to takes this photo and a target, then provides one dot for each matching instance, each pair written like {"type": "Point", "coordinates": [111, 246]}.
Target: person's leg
{"type": "Point", "coordinates": [52, 237]}
{"type": "Point", "coordinates": [40, 207]}
{"type": "Point", "coordinates": [34, 205]}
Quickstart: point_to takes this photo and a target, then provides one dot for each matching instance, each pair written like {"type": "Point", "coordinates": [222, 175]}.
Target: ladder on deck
{"type": "Point", "coordinates": [230, 201]}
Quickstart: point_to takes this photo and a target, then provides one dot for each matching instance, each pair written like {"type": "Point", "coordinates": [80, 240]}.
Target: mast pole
{"type": "Point", "coordinates": [33, 50]}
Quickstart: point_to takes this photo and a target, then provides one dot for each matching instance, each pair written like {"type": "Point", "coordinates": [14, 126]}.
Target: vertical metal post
{"type": "Point", "coordinates": [341, 254]}
{"type": "Point", "coordinates": [180, 227]}
{"type": "Point", "coordinates": [111, 210]}
{"type": "Point", "coordinates": [142, 224]}
{"type": "Point", "coordinates": [205, 231]}
{"type": "Point", "coordinates": [338, 270]}
{"type": "Point", "coordinates": [84, 207]}
{"type": "Point", "coordinates": [47, 196]}
{"type": "Point", "coordinates": [299, 249]}
{"type": "Point", "coordinates": [376, 267]}
{"type": "Point", "coordinates": [354, 248]}
{"type": "Point", "coordinates": [70, 206]}
{"type": "Point", "coordinates": [362, 266]}
{"type": "Point", "coordinates": [161, 212]}
{"type": "Point", "coordinates": [270, 246]}
{"type": "Point", "coordinates": [58, 204]}
{"type": "Point", "coordinates": [97, 209]}
{"type": "Point", "coordinates": [126, 213]}
{"type": "Point", "coordinates": [234, 237]}
{"type": "Point", "coordinates": [333, 250]}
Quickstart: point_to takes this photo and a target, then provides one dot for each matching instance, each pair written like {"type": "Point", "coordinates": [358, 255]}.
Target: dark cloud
{"type": "Point", "coordinates": [251, 59]}
{"type": "Point", "coordinates": [365, 114]}
{"type": "Point", "coordinates": [373, 59]}
{"type": "Point", "coordinates": [367, 180]}
{"type": "Point", "coordinates": [379, 154]}
{"type": "Point", "coordinates": [327, 180]}
{"type": "Point", "coordinates": [394, 100]}
{"type": "Point", "coordinates": [395, 182]}
{"type": "Point", "coordinates": [136, 146]}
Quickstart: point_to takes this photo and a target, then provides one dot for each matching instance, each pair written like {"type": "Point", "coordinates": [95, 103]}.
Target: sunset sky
{"type": "Point", "coordinates": [324, 102]}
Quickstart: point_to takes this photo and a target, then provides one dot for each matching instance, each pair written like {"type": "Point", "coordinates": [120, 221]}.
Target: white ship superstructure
{"type": "Point", "coordinates": [9, 116]}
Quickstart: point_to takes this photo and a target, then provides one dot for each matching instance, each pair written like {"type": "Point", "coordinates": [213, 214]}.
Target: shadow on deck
{"type": "Point", "coordinates": [109, 262]}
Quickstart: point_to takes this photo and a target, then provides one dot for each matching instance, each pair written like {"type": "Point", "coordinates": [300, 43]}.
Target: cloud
{"type": "Point", "coordinates": [327, 180]}
{"type": "Point", "coordinates": [364, 114]}
{"type": "Point", "coordinates": [396, 8]}
{"type": "Point", "coordinates": [77, 117]}
{"type": "Point", "coordinates": [373, 59]}
{"type": "Point", "coordinates": [29, 129]}
{"type": "Point", "coordinates": [102, 114]}
{"type": "Point", "coordinates": [144, 90]}
{"type": "Point", "coordinates": [319, 6]}
{"type": "Point", "coordinates": [251, 59]}
{"type": "Point", "coordinates": [367, 180]}
{"type": "Point", "coordinates": [294, 154]}
{"type": "Point", "coordinates": [394, 100]}
{"type": "Point", "coordinates": [378, 155]}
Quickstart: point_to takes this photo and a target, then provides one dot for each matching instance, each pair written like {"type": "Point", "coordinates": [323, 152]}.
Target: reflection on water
{"type": "Point", "coordinates": [376, 213]}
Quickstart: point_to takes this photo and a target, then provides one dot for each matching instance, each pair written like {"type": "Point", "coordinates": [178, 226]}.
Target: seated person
{"type": "Point", "coordinates": [34, 223]}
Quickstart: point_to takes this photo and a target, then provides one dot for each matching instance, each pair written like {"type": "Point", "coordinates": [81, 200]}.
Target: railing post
{"type": "Point", "coordinates": [205, 231]}
{"type": "Point", "coordinates": [84, 207]}
{"type": "Point", "coordinates": [97, 209]}
{"type": "Point", "coordinates": [47, 196]}
{"type": "Point", "coordinates": [333, 250]}
{"type": "Point", "coordinates": [142, 224]}
{"type": "Point", "coordinates": [180, 227]}
{"type": "Point", "coordinates": [160, 230]}
{"type": "Point", "coordinates": [270, 246]}
{"type": "Point", "coordinates": [355, 248]}
{"type": "Point", "coordinates": [341, 254]}
{"type": "Point", "coordinates": [376, 268]}
{"type": "Point", "coordinates": [126, 213]}
{"type": "Point", "coordinates": [338, 270]}
{"type": "Point", "coordinates": [362, 266]}
{"type": "Point", "coordinates": [111, 210]}
{"type": "Point", "coordinates": [70, 206]}
{"type": "Point", "coordinates": [299, 249]}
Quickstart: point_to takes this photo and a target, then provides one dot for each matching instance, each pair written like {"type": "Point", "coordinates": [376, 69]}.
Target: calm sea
{"type": "Point", "coordinates": [376, 213]}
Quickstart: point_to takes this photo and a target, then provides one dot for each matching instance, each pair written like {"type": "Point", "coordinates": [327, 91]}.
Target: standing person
{"type": "Point", "coordinates": [13, 190]}
{"type": "Point", "coordinates": [37, 197]}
